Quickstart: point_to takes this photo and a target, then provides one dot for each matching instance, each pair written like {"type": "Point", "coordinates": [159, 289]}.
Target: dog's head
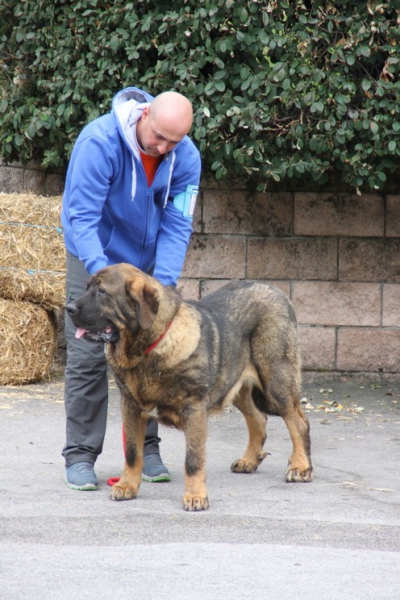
{"type": "Point", "coordinates": [117, 298]}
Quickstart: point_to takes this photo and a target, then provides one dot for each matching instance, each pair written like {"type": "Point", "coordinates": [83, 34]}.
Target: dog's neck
{"type": "Point", "coordinates": [158, 340]}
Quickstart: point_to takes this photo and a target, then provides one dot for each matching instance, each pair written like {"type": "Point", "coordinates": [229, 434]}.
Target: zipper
{"type": "Point", "coordinates": [146, 221]}
{"type": "Point", "coordinates": [149, 197]}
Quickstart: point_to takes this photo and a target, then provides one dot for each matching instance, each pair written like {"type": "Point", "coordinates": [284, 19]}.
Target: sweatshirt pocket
{"type": "Point", "coordinates": [125, 247]}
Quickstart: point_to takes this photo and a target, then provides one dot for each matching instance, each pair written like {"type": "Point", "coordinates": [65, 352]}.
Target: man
{"type": "Point", "coordinates": [129, 197]}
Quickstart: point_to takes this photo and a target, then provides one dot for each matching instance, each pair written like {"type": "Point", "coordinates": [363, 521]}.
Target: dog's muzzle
{"type": "Point", "coordinates": [107, 335]}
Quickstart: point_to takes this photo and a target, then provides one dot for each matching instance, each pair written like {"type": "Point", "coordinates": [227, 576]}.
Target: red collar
{"type": "Point", "coordinates": [158, 340]}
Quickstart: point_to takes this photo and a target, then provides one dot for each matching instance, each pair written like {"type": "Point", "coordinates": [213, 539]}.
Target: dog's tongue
{"type": "Point", "coordinates": [80, 332]}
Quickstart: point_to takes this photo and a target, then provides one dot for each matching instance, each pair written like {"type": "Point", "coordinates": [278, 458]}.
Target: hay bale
{"type": "Point", "coordinates": [27, 342]}
{"type": "Point", "coordinates": [32, 253]}
{"type": "Point", "coordinates": [30, 232]}
{"type": "Point", "coordinates": [31, 247]}
{"type": "Point", "coordinates": [30, 209]}
{"type": "Point", "coordinates": [46, 288]}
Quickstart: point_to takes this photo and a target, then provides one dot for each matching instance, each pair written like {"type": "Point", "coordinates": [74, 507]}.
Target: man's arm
{"type": "Point", "coordinates": [176, 227]}
{"type": "Point", "coordinates": [87, 187]}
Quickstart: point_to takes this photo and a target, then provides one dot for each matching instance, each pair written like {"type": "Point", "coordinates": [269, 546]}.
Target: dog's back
{"type": "Point", "coordinates": [247, 303]}
{"type": "Point", "coordinates": [251, 328]}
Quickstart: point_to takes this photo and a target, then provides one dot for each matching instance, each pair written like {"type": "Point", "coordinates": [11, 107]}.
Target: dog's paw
{"type": "Point", "coordinates": [294, 475]}
{"type": "Point", "coordinates": [247, 466]}
{"type": "Point", "coordinates": [195, 503]}
{"type": "Point", "coordinates": [123, 492]}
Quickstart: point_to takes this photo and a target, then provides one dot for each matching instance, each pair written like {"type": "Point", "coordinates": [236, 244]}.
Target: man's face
{"type": "Point", "coordinates": [155, 137]}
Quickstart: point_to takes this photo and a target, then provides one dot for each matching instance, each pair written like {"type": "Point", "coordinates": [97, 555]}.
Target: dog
{"type": "Point", "coordinates": [178, 361]}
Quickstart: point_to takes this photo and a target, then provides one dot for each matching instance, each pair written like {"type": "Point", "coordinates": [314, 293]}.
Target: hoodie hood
{"type": "Point", "coordinates": [127, 106]}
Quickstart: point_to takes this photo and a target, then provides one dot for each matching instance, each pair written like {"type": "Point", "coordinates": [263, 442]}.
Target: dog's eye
{"type": "Point", "coordinates": [101, 290]}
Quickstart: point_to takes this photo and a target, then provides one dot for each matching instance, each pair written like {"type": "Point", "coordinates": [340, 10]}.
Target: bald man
{"type": "Point", "coordinates": [129, 196]}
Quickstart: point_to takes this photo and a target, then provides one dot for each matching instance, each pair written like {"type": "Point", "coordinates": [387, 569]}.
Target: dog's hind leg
{"type": "Point", "coordinates": [281, 398]}
{"type": "Point", "coordinates": [195, 429]}
{"type": "Point", "coordinates": [256, 425]}
{"type": "Point", "coordinates": [299, 465]}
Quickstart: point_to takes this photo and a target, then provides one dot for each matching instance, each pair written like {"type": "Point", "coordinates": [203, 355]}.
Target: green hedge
{"type": "Point", "coordinates": [283, 91]}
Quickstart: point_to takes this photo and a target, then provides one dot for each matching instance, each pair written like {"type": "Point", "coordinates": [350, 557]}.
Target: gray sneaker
{"type": "Point", "coordinates": [81, 476]}
{"type": "Point", "coordinates": [154, 469]}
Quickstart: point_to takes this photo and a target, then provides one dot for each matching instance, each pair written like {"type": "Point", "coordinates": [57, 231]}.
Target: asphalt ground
{"type": "Point", "coordinates": [335, 538]}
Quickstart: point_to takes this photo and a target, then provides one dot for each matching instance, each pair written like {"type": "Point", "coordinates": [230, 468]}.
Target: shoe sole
{"type": "Point", "coordinates": [88, 487]}
{"type": "Point", "coordinates": [156, 479]}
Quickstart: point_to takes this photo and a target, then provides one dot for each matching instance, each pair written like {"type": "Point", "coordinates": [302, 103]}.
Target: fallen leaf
{"type": "Point", "coordinates": [351, 484]}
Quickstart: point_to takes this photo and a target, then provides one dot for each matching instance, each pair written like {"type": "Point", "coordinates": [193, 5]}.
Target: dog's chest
{"type": "Point", "coordinates": [158, 396]}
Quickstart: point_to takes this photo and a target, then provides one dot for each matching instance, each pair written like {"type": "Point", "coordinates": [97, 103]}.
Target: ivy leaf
{"type": "Point", "coordinates": [244, 15]}
{"type": "Point", "coordinates": [366, 84]}
{"type": "Point", "coordinates": [374, 127]}
{"type": "Point", "coordinates": [364, 51]}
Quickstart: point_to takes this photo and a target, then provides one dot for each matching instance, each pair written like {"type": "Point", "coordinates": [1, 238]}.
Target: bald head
{"type": "Point", "coordinates": [174, 110]}
{"type": "Point", "coordinates": [164, 123]}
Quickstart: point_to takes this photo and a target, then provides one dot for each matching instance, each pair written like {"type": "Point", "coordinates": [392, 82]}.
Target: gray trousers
{"type": "Point", "coordinates": [86, 386]}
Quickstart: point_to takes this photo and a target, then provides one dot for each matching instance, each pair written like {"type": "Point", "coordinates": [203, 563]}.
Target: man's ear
{"type": "Point", "coordinates": [145, 112]}
{"type": "Point", "coordinates": [147, 300]}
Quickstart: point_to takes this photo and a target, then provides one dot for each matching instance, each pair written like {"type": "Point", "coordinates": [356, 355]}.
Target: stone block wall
{"type": "Point", "coordinates": [17, 178]}
{"type": "Point", "coordinates": [337, 256]}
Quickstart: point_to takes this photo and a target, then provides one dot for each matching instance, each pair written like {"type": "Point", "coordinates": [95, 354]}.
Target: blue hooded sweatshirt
{"type": "Point", "coordinates": [109, 213]}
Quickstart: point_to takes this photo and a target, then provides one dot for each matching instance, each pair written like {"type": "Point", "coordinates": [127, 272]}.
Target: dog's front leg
{"type": "Point", "coordinates": [195, 429]}
{"type": "Point", "coordinates": [135, 430]}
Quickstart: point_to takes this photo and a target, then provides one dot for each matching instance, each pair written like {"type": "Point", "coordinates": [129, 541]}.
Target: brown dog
{"type": "Point", "coordinates": [178, 361]}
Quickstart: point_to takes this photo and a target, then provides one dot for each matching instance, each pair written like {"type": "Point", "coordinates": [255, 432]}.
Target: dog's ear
{"type": "Point", "coordinates": [150, 306]}
{"type": "Point", "coordinates": [147, 300]}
